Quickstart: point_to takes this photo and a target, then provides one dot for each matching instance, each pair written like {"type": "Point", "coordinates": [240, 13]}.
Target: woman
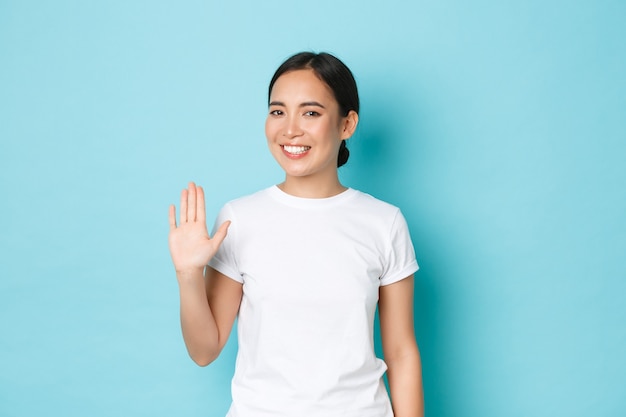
{"type": "Point", "coordinates": [303, 265]}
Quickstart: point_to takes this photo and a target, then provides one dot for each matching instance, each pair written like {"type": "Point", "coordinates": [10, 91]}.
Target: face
{"type": "Point", "coordinates": [304, 128]}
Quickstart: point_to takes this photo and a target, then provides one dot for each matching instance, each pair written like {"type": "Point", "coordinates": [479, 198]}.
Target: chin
{"type": "Point", "coordinates": [291, 168]}
{"type": "Point", "coordinates": [295, 173]}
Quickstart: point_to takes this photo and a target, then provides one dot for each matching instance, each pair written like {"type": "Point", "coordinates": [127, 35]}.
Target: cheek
{"type": "Point", "coordinates": [269, 128]}
{"type": "Point", "coordinates": [331, 130]}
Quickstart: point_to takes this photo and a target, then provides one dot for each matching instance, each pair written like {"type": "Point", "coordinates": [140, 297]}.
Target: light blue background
{"type": "Point", "coordinates": [498, 127]}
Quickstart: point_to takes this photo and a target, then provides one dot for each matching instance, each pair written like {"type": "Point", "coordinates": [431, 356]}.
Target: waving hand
{"type": "Point", "coordinates": [190, 245]}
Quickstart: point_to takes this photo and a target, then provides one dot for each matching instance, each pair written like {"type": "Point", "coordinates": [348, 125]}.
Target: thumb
{"type": "Point", "coordinates": [220, 234]}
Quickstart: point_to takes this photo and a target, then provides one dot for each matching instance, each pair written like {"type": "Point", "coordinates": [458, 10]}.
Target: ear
{"type": "Point", "coordinates": [348, 124]}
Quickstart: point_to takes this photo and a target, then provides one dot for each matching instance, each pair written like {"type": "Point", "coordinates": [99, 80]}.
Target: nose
{"type": "Point", "coordinates": [292, 127]}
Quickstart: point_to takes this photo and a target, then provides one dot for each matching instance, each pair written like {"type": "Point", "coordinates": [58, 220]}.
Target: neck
{"type": "Point", "coordinates": [310, 188]}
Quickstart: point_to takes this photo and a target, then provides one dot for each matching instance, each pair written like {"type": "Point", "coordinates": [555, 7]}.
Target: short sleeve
{"type": "Point", "coordinates": [225, 260]}
{"type": "Point", "coordinates": [400, 259]}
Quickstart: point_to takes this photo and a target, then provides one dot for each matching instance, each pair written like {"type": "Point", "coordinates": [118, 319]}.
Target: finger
{"type": "Point", "coordinates": [191, 203]}
{"type": "Point", "coordinates": [172, 216]}
{"type": "Point", "coordinates": [219, 236]}
{"type": "Point", "coordinates": [201, 213]}
{"type": "Point", "coordinates": [183, 206]}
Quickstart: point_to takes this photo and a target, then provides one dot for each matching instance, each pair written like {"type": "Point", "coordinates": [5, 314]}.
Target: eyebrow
{"type": "Point", "coordinates": [305, 104]}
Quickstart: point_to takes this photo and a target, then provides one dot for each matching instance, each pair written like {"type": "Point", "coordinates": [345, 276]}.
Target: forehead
{"type": "Point", "coordinates": [301, 85]}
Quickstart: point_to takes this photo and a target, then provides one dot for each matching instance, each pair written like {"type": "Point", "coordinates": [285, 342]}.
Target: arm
{"type": "Point", "coordinates": [400, 349]}
{"type": "Point", "coordinates": [209, 301]}
{"type": "Point", "coordinates": [208, 307]}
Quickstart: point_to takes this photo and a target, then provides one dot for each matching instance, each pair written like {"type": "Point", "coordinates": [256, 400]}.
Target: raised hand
{"type": "Point", "coordinates": [190, 245]}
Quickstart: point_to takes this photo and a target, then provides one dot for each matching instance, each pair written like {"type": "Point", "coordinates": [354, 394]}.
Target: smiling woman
{"type": "Point", "coordinates": [303, 265]}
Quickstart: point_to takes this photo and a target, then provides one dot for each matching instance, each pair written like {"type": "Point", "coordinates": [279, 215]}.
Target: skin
{"type": "Point", "coordinates": [302, 112]}
{"type": "Point", "coordinates": [208, 300]}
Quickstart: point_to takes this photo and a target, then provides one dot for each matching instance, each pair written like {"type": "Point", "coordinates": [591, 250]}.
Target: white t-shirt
{"type": "Point", "coordinates": [311, 271]}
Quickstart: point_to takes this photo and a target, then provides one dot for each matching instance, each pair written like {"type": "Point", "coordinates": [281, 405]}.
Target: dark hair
{"type": "Point", "coordinates": [337, 77]}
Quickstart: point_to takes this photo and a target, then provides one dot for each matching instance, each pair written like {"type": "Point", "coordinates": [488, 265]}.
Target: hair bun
{"type": "Point", "coordinates": [344, 154]}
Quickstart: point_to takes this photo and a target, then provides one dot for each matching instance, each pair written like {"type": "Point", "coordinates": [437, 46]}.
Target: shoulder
{"type": "Point", "coordinates": [249, 200]}
{"type": "Point", "coordinates": [373, 215]}
{"type": "Point", "coordinates": [372, 205]}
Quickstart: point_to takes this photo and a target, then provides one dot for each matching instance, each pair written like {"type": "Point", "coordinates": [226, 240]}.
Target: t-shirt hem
{"type": "Point", "coordinates": [400, 275]}
{"type": "Point", "coordinates": [224, 269]}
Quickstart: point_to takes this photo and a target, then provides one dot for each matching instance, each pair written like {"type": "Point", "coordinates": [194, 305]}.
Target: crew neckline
{"type": "Point", "coordinates": [310, 203]}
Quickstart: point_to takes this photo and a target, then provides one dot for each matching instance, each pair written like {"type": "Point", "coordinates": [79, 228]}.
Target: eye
{"type": "Point", "coordinates": [311, 113]}
{"type": "Point", "coordinates": [276, 112]}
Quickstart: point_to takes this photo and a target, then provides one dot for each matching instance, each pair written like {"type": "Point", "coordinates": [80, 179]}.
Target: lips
{"type": "Point", "coordinates": [295, 150]}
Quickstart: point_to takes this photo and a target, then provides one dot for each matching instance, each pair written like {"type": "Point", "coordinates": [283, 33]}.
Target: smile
{"type": "Point", "coordinates": [296, 150]}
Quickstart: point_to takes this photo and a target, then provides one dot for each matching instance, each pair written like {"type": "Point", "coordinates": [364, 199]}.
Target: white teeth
{"type": "Point", "coordinates": [296, 150]}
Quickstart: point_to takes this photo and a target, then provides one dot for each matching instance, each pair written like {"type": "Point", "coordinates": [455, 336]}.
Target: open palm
{"type": "Point", "coordinates": [190, 245]}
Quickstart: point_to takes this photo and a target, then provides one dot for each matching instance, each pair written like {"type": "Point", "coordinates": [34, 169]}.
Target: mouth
{"type": "Point", "coordinates": [295, 150]}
